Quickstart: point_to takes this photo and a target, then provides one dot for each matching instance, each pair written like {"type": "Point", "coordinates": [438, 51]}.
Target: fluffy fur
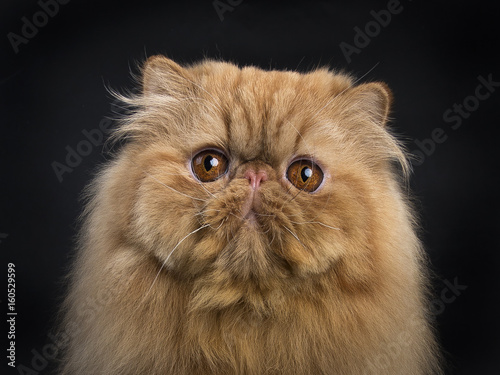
{"type": "Point", "coordinates": [171, 279]}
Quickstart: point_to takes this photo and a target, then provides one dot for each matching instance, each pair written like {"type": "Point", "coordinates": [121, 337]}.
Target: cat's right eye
{"type": "Point", "coordinates": [209, 165]}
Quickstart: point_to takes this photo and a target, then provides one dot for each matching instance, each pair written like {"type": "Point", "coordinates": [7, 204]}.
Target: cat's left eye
{"type": "Point", "coordinates": [305, 175]}
{"type": "Point", "coordinates": [209, 165]}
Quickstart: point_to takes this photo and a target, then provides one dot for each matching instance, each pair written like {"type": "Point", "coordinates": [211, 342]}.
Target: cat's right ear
{"type": "Point", "coordinates": [162, 76]}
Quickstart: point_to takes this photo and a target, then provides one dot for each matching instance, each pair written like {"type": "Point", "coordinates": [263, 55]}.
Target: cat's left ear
{"type": "Point", "coordinates": [375, 99]}
{"type": "Point", "coordinates": [162, 76]}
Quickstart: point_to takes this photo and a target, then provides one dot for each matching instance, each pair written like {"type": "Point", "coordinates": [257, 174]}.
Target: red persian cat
{"type": "Point", "coordinates": [254, 222]}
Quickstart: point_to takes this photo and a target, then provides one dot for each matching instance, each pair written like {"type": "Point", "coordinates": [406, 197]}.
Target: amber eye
{"type": "Point", "coordinates": [209, 165]}
{"type": "Point", "coordinates": [305, 175]}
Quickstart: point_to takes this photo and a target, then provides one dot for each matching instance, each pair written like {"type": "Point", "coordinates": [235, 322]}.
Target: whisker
{"type": "Point", "coordinates": [176, 246]}
{"type": "Point", "coordinates": [171, 188]}
{"type": "Point", "coordinates": [272, 239]}
{"type": "Point", "coordinates": [220, 225]}
{"type": "Point", "coordinates": [164, 263]}
{"type": "Point", "coordinates": [236, 216]}
{"type": "Point", "coordinates": [199, 217]}
{"type": "Point", "coordinates": [315, 222]}
{"type": "Point", "coordinates": [176, 174]}
{"type": "Point", "coordinates": [188, 175]}
{"type": "Point", "coordinates": [204, 188]}
{"type": "Point", "coordinates": [268, 215]}
{"type": "Point", "coordinates": [295, 196]}
{"type": "Point", "coordinates": [293, 234]}
{"type": "Point", "coordinates": [267, 231]}
{"type": "Point", "coordinates": [209, 210]}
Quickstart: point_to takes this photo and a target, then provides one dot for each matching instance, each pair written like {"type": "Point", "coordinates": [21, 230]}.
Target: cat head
{"type": "Point", "coordinates": [257, 175]}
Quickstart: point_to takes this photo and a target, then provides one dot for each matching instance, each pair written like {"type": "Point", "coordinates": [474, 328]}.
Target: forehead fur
{"type": "Point", "coordinates": [254, 108]}
{"type": "Point", "coordinates": [252, 113]}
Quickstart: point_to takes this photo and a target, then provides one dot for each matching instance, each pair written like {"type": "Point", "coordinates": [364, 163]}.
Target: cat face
{"type": "Point", "coordinates": [258, 175]}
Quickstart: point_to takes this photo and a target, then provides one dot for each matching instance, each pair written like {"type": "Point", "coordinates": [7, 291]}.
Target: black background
{"type": "Point", "coordinates": [431, 55]}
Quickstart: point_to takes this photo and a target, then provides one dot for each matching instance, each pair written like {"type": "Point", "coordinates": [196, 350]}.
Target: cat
{"type": "Point", "coordinates": [253, 222]}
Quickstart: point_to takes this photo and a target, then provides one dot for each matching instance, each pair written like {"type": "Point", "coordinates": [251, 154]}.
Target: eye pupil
{"type": "Point", "coordinates": [306, 173]}
{"type": "Point", "coordinates": [210, 162]}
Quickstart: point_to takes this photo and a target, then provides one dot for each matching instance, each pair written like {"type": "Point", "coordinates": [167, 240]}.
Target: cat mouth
{"type": "Point", "coordinates": [251, 217]}
{"type": "Point", "coordinates": [251, 208]}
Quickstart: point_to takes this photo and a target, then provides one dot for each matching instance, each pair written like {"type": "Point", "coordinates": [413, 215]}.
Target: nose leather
{"type": "Point", "coordinates": [257, 173]}
{"type": "Point", "coordinates": [255, 177]}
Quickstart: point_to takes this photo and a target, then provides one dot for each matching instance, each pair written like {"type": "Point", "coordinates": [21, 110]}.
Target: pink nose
{"type": "Point", "coordinates": [255, 178]}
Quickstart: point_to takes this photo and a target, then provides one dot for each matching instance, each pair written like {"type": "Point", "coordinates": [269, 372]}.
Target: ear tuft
{"type": "Point", "coordinates": [163, 76]}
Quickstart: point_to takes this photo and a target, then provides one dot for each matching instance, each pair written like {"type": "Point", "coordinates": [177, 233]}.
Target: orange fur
{"type": "Point", "coordinates": [329, 282]}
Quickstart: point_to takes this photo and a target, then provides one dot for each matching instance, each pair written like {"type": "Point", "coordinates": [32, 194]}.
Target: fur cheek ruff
{"type": "Point", "coordinates": [176, 276]}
